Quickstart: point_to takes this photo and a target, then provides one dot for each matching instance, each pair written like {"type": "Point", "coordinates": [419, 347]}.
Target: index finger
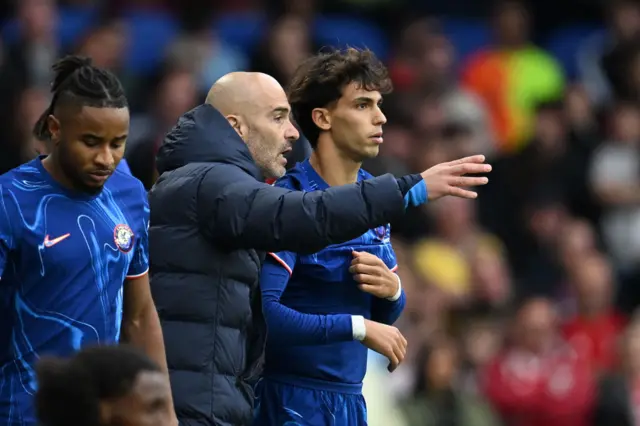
{"type": "Point", "coordinates": [471, 159]}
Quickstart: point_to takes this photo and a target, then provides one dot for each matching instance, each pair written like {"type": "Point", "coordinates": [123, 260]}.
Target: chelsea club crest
{"type": "Point", "coordinates": [123, 237]}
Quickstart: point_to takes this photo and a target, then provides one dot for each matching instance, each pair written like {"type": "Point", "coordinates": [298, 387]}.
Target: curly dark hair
{"type": "Point", "coordinates": [320, 80]}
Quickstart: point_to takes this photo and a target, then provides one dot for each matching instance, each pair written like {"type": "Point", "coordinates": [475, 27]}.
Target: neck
{"type": "Point", "coordinates": [334, 166]}
{"type": "Point", "coordinates": [52, 166]}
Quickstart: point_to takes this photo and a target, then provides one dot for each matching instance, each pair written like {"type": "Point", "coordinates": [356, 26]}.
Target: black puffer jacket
{"type": "Point", "coordinates": [211, 220]}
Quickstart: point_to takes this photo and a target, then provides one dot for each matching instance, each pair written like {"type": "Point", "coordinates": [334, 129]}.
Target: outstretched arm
{"type": "Point", "coordinates": [237, 211]}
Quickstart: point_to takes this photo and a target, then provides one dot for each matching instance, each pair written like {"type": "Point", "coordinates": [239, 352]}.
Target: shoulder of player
{"type": "Point", "coordinates": [125, 180]}
{"type": "Point", "coordinates": [23, 174]}
{"type": "Point", "coordinates": [125, 185]}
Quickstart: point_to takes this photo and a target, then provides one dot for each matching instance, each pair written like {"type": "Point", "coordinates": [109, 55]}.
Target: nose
{"type": "Point", "coordinates": [380, 118]}
{"type": "Point", "coordinates": [104, 158]}
{"type": "Point", "coordinates": [291, 133]}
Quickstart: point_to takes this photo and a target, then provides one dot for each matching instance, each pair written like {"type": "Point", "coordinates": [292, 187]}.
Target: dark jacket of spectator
{"type": "Point", "coordinates": [615, 404]}
{"type": "Point", "coordinates": [211, 221]}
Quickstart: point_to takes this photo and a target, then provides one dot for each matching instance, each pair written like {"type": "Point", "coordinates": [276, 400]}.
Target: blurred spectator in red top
{"type": "Point", "coordinates": [595, 329]}
{"type": "Point", "coordinates": [539, 380]}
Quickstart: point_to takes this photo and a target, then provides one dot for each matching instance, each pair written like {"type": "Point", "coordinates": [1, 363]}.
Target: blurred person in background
{"type": "Point", "coordinates": [176, 93]}
{"type": "Point", "coordinates": [513, 77]}
{"type": "Point", "coordinates": [577, 242]}
{"type": "Point", "coordinates": [615, 181]}
{"type": "Point", "coordinates": [538, 379]}
{"type": "Point", "coordinates": [596, 327]}
{"type": "Point", "coordinates": [424, 66]}
{"type": "Point", "coordinates": [36, 48]}
{"type": "Point", "coordinates": [438, 400]}
{"type": "Point", "coordinates": [618, 397]}
{"type": "Point", "coordinates": [536, 264]}
{"type": "Point", "coordinates": [492, 286]}
{"type": "Point", "coordinates": [287, 44]}
{"type": "Point", "coordinates": [106, 44]}
{"type": "Point", "coordinates": [31, 104]}
{"type": "Point", "coordinates": [482, 337]}
{"type": "Point", "coordinates": [201, 51]}
{"type": "Point", "coordinates": [445, 258]}
{"type": "Point", "coordinates": [102, 386]}
{"type": "Point", "coordinates": [601, 67]}
{"type": "Point", "coordinates": [545, 165]}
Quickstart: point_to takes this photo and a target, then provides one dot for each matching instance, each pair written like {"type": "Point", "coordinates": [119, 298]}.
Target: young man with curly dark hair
{"type": "Point", "coordinates": [325, 310]}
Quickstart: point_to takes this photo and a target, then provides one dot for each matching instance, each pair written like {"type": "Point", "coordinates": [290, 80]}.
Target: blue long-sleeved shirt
{"type": "Point", "coordinates": [308, 301]}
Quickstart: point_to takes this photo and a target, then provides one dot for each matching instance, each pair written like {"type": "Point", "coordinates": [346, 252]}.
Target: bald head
{"type": "Point", "coordinates": [256, 106]}
{"type": "Point", "coordinates": [243, 92]}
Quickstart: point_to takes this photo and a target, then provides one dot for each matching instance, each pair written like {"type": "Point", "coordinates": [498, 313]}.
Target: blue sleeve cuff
{"type": "Point", "coordinates": [417, 195]}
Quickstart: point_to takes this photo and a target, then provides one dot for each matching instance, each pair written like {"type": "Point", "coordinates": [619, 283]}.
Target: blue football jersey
{"type": "Point", "coordinates": [321, 283]}
{"type": "Point", "coordinates": [64, 257]}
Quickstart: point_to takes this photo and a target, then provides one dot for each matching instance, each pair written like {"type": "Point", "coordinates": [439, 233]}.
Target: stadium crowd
{"type": "Point", "coordinates": [520, 304]}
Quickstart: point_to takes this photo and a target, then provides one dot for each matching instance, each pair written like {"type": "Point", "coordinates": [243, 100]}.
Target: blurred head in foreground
{"type": "Point", "coordinates": [102, 386]}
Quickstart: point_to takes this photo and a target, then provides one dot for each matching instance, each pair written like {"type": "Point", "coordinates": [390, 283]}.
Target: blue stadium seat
{"type": "Point", "coordinates": [74, 23]}
{"type": "Point", "coordinates": [565, 42]}
{"type": "Point", "coordinates": [339, 31]}
{"type": "Point", "coordinates": [150, 33]}
{"type": "Point", "coordinates": [241, 30]}
{"type": "Point", "coordinates": [467, 36]}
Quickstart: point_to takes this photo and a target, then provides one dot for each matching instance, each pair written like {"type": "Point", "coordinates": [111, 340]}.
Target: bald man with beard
{"type": "Point", "coordinates": [213, 218]}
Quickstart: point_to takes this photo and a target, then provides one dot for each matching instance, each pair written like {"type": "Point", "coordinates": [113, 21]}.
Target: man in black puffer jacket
{"type": "Point", "coordinates": [212, 218]}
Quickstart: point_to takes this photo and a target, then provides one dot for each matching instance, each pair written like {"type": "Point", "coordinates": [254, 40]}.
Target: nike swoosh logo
{"type": "Point", "coordinates": [52, 242]}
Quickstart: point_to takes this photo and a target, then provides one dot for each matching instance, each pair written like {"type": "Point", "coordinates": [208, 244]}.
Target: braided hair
{"type": "Point", "coordinates": [78, 82]}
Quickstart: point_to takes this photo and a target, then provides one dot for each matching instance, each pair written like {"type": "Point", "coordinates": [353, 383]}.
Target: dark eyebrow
{"type": "Point", "coordinates": [281, 110]}
{"type": "Point", "coordinates": [365, 99]}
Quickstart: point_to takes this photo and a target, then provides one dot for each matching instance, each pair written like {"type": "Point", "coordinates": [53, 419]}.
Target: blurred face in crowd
{"type": "Point", "coordinates": [577, 240]}
{"type": "Point", "coordinates": [437, 59]}
{"type": "Point", "coordinates": [491, 277]}
{"type": "Point", "coordinates": [546, 222]}
{"type": "Point", "coordinates": [441, 366]}
{"type": "Point", "coordinates": [147, 404]}
{"type": "Point", "coordinates": [481, 343]}
{"type": "Point", "coordinates": [512, 24]}
{"type": "Point", "coordinates": [32, 103]}
{"type": "Point", "coordinates": [89, 143]}
{"type": "Point", "coordinates": [455, 218]}
{"type": "Point", "coordinates": [535, 326]}
{"type": "Point", "coordinates": [626, 124]}
{"type": "Point", "coordinates": [38, 18]}
{"type": "Point", "coordinates": [550, 131]}
{"type": "Point", "coordinates": [106, 45]}
{"type": "Point", "coordinates": [354, 122]}
{"type": "Point", "coordinates": [177, 93]}
{"type": "Point", "coordinates": [593, 283]}
{"type": "Point", "coordinates": [266, 127]}
{"type": "Point", "coordinates": [625, 19]}
{"type": "Point", "coordinates": [289, 43]}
